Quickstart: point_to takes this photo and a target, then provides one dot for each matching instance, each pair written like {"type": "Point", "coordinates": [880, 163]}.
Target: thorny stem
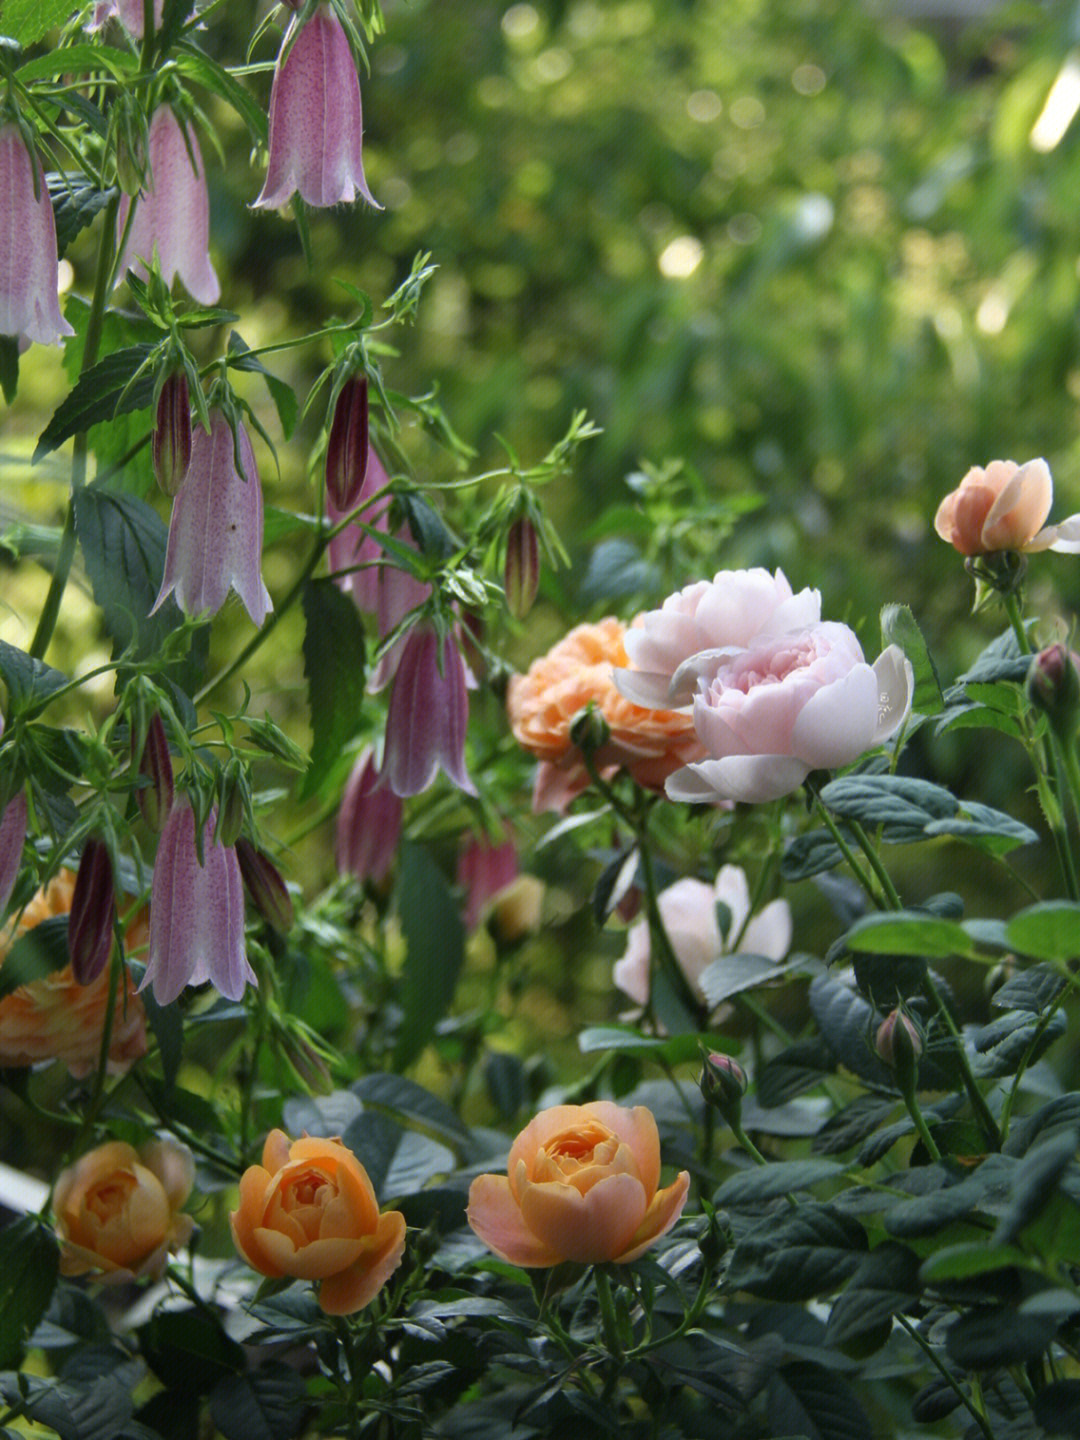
{"type": "Point", "coordinates": [951, 1380]}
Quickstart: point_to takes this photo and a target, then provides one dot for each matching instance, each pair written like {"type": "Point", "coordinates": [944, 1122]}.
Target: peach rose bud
{"type": "Point", "coordinates": [582, 1184]}
{"type": "Point", "coordinates": [309, 1211]}
{"type": "Point", "coordinates": [1004, 507]}
{"type": "Point", "coordinates": [118, 1209]}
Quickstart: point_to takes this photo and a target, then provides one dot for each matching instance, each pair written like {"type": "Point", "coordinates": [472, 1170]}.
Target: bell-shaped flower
{"type": "Point", "coordinates": [172, 215]}
{"type": "Point", "coordinates": [216, 529]}
{"type": "Point", "coordinates": [368, 823]}
{"type": "Point", "coordinates": [483, 870]}
{"type": "Point", "coordinates": [12, 838]}
{"type": "Point", "coordinates": [29, 297]}
{"type": "Point", "coordinates": [128, 12]}
{"type": "Point", "coordinates": [316, 124]}
{"type": "Point", "coordinates": [397, 591]}
{"type": "Point", "coordinates": [353, 554]}
{"type": "Point", "coordinates": [428, 714]}
{"type": "Point", "coordinates": [196, 913]}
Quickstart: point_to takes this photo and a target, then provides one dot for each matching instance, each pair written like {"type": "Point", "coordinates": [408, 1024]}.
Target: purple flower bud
{"type": "Point", "coordinates": [428, 714]}
{"type": "Point", "coordinates": [128, 12]}
{"type": "Point", "coordinates": [196, 913]}
{"type": "Point", "coordinates": [483, 870]}
{"type": "Point", "coordinates": [216, 529]}
{"type": "Point", "coordinates": [264, 884]}
{"type": "Point", "coordinates": [522, 575]}
{"type": "Point", "coordinates": [723, 1084]}
{"type": "Point", "coordinates": [232, 806]}
{"type": "Point", "coordinates": [29, 299]}
{"type": "Point", "coordinates": [172, 433]}
{"type": "Point", "coordinates": [155, 799]}
{"type": "Point", "coordinates": [316, 123]}
{"type": "Point", "coordinates": [172, 217]}
{"type": "Point", "coordinates": [351, 549]}
{"type": "Point", "coordinates": [347, 446]}
{"type": "Point", "coordinates": [368, 823]}
{"type": "Point", "coordinates": [899, 1044]}
{"type": "Point", "coordinates": [93, 912]}
{"type": "Point", "coordinates": [12, 838]}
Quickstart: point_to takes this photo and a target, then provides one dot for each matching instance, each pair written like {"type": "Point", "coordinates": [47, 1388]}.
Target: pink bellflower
{"type": "Point", "coordinates": [172, 216]}
{"type": "Point", "coordinates": [216, 529]}
{"type": "Point", "coordinates": [428, 714]}
{"type": "Point", "coordinates": [316, 124]}
{"type": "Point", "coordinates": [368, 823]}
{"type": "Point", "coordinates": [351, 548]}
{"type": "Point", "coordinates": [483, 870]}
{"type": "Point", "coordinates": [196, 913]}
{"type": "Point", "coordinates": [397, 591]}
{"type": "Point", "coordinates": [29, 298]}
{"type": "Point", "coordinates": [128, 12]}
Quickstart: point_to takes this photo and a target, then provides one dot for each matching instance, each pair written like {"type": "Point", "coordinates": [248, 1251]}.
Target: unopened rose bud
{"type": "Point", "coordinates": [347, 447]}
{"type": "Point", "coordinates": [589, 731]}
{"type": "Point", "coordinates": [1053, 686]}
{"type": "Point", "coordinates": [171, 444]}
{"type": "Point", "coordinates": [265, 886]}
{"type": "Point", "coordinates": [723, 1085]}
{"type": "Point", "coordinates": [155, 798]}
{"type": "Point", "coordinates": [93, 911]}
{"type": "Point", "coordinates": [899, 1044]}
{"type": "Point", "coordinates": [522, 574]}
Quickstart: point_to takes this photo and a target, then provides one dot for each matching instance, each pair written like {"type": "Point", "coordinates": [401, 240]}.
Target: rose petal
{"type": "Point", "coordinates": [495, 1216]}
{"type": "Point", "coordinates": [357, 1286]}
{"type": "Point", "coordinates": [588, 1228]}
{"type": "Point", "coordinates": [314, 1261]}
{"type": "Point", "coordinates": [666, 1207]}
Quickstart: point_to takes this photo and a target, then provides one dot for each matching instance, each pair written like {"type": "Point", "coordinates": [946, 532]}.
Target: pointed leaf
{"type": "Point", "coordinates": [434, 950]}
{"type": "Point", "coordinates": [102, 392]}
{"type": "Point", "coordinates": [334, 664]}
{"type": "Point", "coordinates": [899, 627]}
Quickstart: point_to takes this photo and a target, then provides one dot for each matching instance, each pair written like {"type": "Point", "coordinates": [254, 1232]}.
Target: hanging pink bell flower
{"type": "Point", "coordinates": [128, 12]}
{"type": "Point", "coordinates": [172, 215]}
{"type": "Point", "coordinates": [351, 548]}
{"type": "Point", "coordinates": [216, 529]}
{"type": "Point", "coordinates": [397, 591]}
{"type": "Point", "coordinates": [427, 715]}
{"type": "Point", "coordinates": [368, 823]}
{"type": "Point", "coordinates": [316, 124]}
{"type": "Point", "coordinates": [29, 296]}
{"type": "Point", "coordinates": [12, 838]}
{"type": "Point", "coordinates": [483, 870]}
{"type": "Point", "coordinates": [196, 913]}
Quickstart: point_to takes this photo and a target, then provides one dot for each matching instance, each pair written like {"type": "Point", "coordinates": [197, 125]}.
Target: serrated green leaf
{"type": "Point", "coordinates": [29, 1265]}
{"type": "Point", "coordinates": [334, 665]}
{"type": "Point", "coordinates": [813, 1403]}
{"type": "Point", "coordinates": [267, 1404]}
{"type": "Point", "coordinates": [997, 1335]}
{"type": "Point", "coordinates": [29, 682]}
{"type": "Point", "coordinates": [798, 1068]}
{"type": "Point", "coordinates": [976, 1257]}
{"type": "Point", "coordinates": [978, 717]}
{"type": "Point", "coordinates": [811, 1251]}
{"type": "Point", "coordinates": [404, 1100]}
{"type": "Point", "coordinates": [899, 627]}
{"type": "Point", "coordinates": [101, 393]}
{"type": "Point", "coordinates": [434, 951]}
{"type": "Point", "coordinates": [198, 66]}
{"type": "Point", "coordinates": [732, 974]}
{"type": "Point", "coordinates": [75, 204]}
{"type": "Point", "coordinates": [283, 395]}
{"type": "Point", "coordinates": [1037, 1183]}
{"type": "Point", "coordinates": [885, 1284]}
{"type": "Point", "coordinates": [27, 20]}
{"type": "Point", "coordinates": [1015, 1039]}
{"type": "Point", "coordinates": [769, 1182]}
{"type": "Point", "coordinates": [188, 1350]}
{"type": "Point", "coordinates": [38, 952]}
{"type": "Point", "coordinates": [1033, 990]}
{"type": "Point", "coordinates": [1048, 931]}
{"type": "Point", "coordinates": [908, 933]}
{"type": "Point", "coordinates": [852, 1125]}
{"type": "Point", "coordinates": [888, 800]}
{"type": "Point", "coordinates": [77, 60]}
{"type": "Point", "coordinates": [811, 854]}
{"type": "Point", "coordinates": [674, 1049]}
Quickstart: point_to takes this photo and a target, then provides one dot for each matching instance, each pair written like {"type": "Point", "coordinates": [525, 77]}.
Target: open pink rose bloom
{"type": "Point", "coordinates": [582, 1183]}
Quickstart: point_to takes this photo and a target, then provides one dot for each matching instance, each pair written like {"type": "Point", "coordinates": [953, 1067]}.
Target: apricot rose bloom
{"type": "Point", "coordinates": [309, 1211]}
{"type": "Point", "coordinates": [650, 744]}
{"type": "Point", "coordinates": [118, 1209]}
{"type": "Point", "coordinates": [56, 1018]}
{"type": "Point", "coordinates": [581, 1184]}
{"type": "Point", "coordinates": [1004, 507]}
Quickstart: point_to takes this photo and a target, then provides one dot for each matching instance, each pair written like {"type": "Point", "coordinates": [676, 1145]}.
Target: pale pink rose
{"type": "Point", "coordinates": [688, 910]}
{"type": "Point", "coordinates": [1004, 507]}
{"type": "Point", "coordinates": [697, 627]}
{"type": "Point", "coordinates": [787, 705]}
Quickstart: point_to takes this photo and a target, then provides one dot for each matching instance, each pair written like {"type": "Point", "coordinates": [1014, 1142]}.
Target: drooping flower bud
{"type": "Point", "coordinates": [155, 798]}
{"type": "Point", "coordinates": [29, 292]}
{"type": "Point", "coordinates": [723, 1085]}
{"type": "Point", "coordinates": [172, 433]}
{"type": "Point", "coordinates": [93, 913]}
{"type": "Point", "coordinates": [265, 886]}
{"type": "Point", "coordinates": [522, 573]}
{"type": "Point", "coordinates": [368, 823]}
{"type": "Point", "coordinates": [899, 1044]}
{"type": "Point", "coordinates": [428, 714]}
{"type": "Point", "coordinates": [1053, 686]}
{"type": "Point", "coordinates": [347, 446]}
{"type": "Point", "coordinates": [232, 806]}
{"type": "Point", "coordinates": [12, 838]}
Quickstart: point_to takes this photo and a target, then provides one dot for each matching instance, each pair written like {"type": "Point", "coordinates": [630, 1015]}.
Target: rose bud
{"type": "Point", "coordinates": [899, 1044]}
{"type": "Point", "coordinates": [93, 913]}
{"type": "Point", "coordinates": [263, 882]}
{"type": "Point", "coordinates": [172, 433]}
{"type": "Point", "coordinates": [522, 573]}
{"type": "Point", "coordinates": [347, 447]}
{"type": "Point", "coordinates": [1053, 686]}
{"type": "Point", "coordinates": [155, 799]}
{"type": "Point", "coordinates": [723, 1085]}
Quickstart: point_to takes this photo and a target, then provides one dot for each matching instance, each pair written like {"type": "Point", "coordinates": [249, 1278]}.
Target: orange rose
{"type": "Point", "coordinates": [650, 744]}
{"type": "Point", "coordinates": [58, 1019]}
{"type": "Point", "coordinates": [118, 1209]}
{"type": "Point", "coordinates": [581, 1184]}
{"type": "Point", "coordinates": [1004, 507]}
{"type": "Point", "coordinates": [309, 1211]}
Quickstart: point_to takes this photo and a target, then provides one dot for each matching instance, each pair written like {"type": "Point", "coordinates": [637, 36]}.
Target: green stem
{"type": "Point", "coordinates": [849, 855]}
{"type": "Point", "coordinates": [94, 328]}
{"type": "Point", "coordinates": [866, 845]}
{"type": "Point", "coordinates": [971, 1085]}
{"type": "Point", "coordinates": [950, 1379]}
{"type": "Point", "coordinates": [920, 1124]}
